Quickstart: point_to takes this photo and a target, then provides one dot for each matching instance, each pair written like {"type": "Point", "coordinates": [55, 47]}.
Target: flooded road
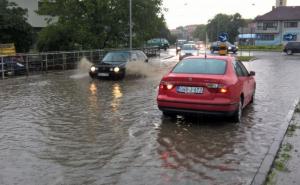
{"type": "Point", "coordinates": [64, 128]}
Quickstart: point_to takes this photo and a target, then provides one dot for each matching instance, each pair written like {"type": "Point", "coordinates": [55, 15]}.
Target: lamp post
{"type": "Point", "coordinates": [130, 24]}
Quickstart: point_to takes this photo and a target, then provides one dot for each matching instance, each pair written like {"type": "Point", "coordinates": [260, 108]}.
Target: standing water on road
{"type": "Point", "coordinates": [60, 130]}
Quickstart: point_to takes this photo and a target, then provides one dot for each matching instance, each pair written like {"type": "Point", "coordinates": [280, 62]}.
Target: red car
{"type": "Point", "coordinates": [207, 85]}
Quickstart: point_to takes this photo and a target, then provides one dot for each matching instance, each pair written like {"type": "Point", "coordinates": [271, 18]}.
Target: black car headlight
{"type": "Point", "coordinates": [116, 69]}
{"type": "Point", "coordinates": [93, 69]}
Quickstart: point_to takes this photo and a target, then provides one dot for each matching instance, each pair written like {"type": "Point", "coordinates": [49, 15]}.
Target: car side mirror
{"type": "Point", "coordinates": [252, 73]}
{"type": "Point", "coordinates": [147, 60]}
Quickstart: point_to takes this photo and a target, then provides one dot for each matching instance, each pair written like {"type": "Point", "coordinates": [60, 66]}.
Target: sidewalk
{"type": "Point", "coordinates": [286, 167]}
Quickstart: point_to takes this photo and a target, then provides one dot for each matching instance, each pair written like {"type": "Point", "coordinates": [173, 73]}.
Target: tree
{"type": "Point", "coordinates": [101, 23]}
{"type": "Point", "coordinates": [224, 23]}
{"type": "Point", "coordinates": [14, 27]}
{"type": "Point", "coordinates": [200, 32]}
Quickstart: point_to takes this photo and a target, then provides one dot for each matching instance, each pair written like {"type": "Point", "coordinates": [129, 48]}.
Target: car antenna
{"type": "Point", "coordinates": [205, 55]}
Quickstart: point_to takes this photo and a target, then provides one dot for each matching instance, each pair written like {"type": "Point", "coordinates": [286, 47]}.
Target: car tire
{"type": "Point", "coordinates": [289, 52]}
{"type": "Point", "coordinates": [168, 114]}
{"type": "Point", "coordinates": [92, 76]}
{"type": "Point", "coordinates": [237, 115]}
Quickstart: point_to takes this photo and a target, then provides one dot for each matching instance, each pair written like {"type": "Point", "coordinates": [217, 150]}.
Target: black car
{"type": "Point", "coordinates": [13, 65]}
{"type": "Point", "coordinates": [113, 65]}
{"type": "Point", "coordinates": [215, 46]}
{"type": "Point", "coordinates": [292, 47]}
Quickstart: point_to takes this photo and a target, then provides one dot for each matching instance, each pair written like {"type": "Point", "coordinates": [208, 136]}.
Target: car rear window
{"type": "Point", "coordinates": [201, 66]}
{"type": "Point", "coordinates": [189, 47]}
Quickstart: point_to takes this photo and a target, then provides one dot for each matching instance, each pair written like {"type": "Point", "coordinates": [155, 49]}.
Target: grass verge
{"type": "Point", "coordinates": [246, 58]}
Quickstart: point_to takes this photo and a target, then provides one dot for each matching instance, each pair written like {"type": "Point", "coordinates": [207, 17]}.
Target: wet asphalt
{"type": "Point", "coordinates": [64, 128]}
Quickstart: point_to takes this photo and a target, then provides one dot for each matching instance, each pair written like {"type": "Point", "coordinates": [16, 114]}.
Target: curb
{"type": "Point", "coordinates": [265, 166]}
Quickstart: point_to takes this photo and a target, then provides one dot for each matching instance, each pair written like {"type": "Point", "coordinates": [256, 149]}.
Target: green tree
{"type": "Point", "coordinates": [200, 32]}
{"type": "Point", "coordinates": [224, 23]}
{"type": "Point", "coordinates": [14, 27]}
{"type": "Point", "coordinates": [100, 23]}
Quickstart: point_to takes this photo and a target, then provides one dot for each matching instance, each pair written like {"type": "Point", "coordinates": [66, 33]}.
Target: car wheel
{"type": "Point", "coordinates": [237, 116]}
{"type": "Point", "coordinates": [289, 52]}
{"type": "Point", "coordinates": [168, 114]}
{"type": "Point", "coordinates": [92, 76]}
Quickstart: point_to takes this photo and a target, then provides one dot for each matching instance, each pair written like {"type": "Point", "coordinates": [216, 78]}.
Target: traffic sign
{"type": "Point", "coordinates": [223, 37]}
{"type": "Point", "coordinates": [289, 37]}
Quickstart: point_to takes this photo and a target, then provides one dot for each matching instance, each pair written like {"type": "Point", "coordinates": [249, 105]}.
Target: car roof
{"type": "Point", "coordinates": [125, 51]}
{"type": "Point", "coordinates": [225, 58]}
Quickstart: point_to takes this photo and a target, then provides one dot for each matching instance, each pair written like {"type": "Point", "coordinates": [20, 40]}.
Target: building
{"type": "Point", "coordinates": [185, 32]}
{"type": "Point", "coordinates": [35, 20]}
{"type": "Point", "coordinates": [278, 26]}
{"type": "Point", "coordinates": [247, 34]}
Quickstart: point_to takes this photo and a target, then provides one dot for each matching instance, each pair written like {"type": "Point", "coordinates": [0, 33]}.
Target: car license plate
{"type": "Point", "coordinates": [103, 74]}
{"type": "Point", "coordinates": [189, 90]}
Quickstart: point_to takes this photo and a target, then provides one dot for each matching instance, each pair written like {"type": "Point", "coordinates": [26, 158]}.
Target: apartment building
{"type": "Point", "coordinates": [279, 26]}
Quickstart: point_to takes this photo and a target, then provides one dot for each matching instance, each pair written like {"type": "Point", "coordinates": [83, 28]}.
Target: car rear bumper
{"type": "Point", "coordinates": [199, 108]}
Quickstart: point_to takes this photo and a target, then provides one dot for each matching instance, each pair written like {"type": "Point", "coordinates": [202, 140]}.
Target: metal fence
{"type": "Point", "coordinates": [33, 63]}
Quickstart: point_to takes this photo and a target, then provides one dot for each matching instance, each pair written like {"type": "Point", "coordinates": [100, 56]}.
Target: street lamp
{"type": "Point", "coordinates": [130, 24]}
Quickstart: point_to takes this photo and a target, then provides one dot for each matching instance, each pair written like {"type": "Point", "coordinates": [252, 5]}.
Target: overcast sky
{"type": "Point", "coordinates": [186, 12]}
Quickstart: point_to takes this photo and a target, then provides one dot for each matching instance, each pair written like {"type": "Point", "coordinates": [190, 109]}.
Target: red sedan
{"type": "Point", "coordinates": [207, 85]}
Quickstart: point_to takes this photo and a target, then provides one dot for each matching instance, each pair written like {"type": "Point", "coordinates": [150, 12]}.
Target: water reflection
{"type": "Point", "coordinates": [93, 88]}
{"type": "Point", "coordinates": [117, 95]}
{"type": "Point", "coordinates": [184, 146]}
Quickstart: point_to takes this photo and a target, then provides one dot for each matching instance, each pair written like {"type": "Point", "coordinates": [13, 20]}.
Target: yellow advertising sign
{"type": "Point", "coordinates": [7, 49]}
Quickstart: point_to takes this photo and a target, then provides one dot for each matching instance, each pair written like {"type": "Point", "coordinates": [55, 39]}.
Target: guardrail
{"type": "Point", "coordinates": [38, 62]}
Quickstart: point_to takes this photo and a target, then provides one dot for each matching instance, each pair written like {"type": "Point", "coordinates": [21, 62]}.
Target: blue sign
{"type": "Point", "coordinates": [223, 37]}
{"type": "Point", "coordinates": [289, 37]}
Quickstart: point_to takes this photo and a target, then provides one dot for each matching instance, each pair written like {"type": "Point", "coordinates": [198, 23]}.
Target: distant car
{"type": "Point", "coordinates": [292, 47]}
{"type": "Point", "coordinates": [159, 42]}
{"type": "Point", "coordinates": [188, 50]}
{"type": "Point", "coordinates": [215, 46]}
{"type": "Point", "coordinates": [179, 44]}
{"type": "Point", "coordinates": [213, 85]}
{"type": "Point", "coordinates": [114, 64]}
{"type": "Point", "coordinates": [13, 65]}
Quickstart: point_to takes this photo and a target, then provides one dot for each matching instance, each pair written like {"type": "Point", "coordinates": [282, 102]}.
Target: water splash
{"type": "Point", "coordinates": [83, 68]}
{"type": "Point", "coordinates": [142, 69]}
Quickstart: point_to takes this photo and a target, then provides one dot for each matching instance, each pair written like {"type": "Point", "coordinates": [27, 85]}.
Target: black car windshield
{"type": "Point", "coordinates": [189, 47]}
{"type": "Point", "coordinates": [201, 66]}
{"type": "Point", "coordinates": [116, 57]}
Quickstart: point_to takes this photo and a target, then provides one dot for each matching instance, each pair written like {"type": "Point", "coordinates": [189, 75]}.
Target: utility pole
{"type": "Point", "coordinates": [130, 24]}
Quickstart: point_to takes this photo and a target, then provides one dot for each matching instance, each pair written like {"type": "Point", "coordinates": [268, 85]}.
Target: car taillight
{"type": "Point", "coordinates": [218, 87]}
{"type": "Point", "coordinates": [166, 86]}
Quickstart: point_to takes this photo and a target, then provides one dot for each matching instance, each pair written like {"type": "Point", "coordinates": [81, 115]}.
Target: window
{"type": "Point", "coordinates": [265, 37]}
{"type": "Point", "coordinates": [201, 66]}
{"type": "Point", "coordinates": [245, 71]}
{"type": "Point", "coordinates": [269, 25]}
{"type": "Point", "coordinates": [293, 24]}
{"type": "Point", "coordinates": [134, 57]}
{"type": "Point", "coordinates": [238, 69]}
